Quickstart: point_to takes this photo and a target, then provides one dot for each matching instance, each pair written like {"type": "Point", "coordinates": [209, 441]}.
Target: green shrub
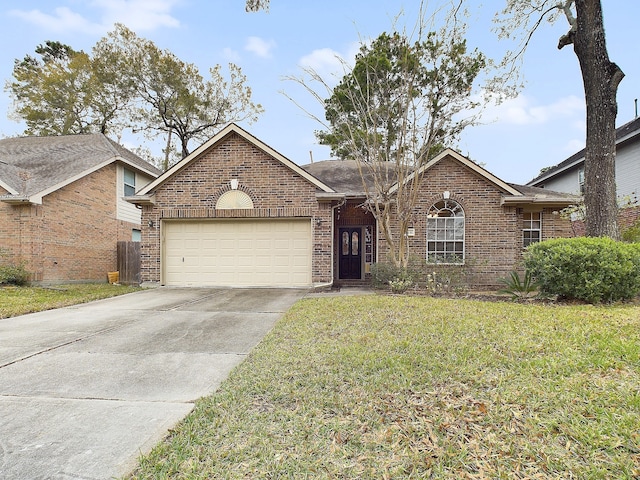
{"type": "Point", "coordinates": [384, 272]}
{"type": "Point", "coordinates": [591, 269]}
{"type": "Point", "coordinates": [631, 233]}
{"type": "Point", "coordinates": [12, 273]}
{"type": "Point", "coordinates": [387, 275]}
{"type": "Point", "coordinates": [517, 288]}
{"type": "Point", "coordinates": [430, 277]}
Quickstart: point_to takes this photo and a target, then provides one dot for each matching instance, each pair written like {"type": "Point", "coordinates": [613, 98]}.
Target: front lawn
{"type": "Point", "coordinates": [20, 300]}
{"type": "Point", "coordinates": [407, 387]}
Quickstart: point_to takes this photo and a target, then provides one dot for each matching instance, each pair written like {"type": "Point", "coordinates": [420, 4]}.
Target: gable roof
{"type": "Point", "coordinates": [32, 167]}
{"type": "Point", "coordinates": [630, 131]}
{"type": "Point", "coordinates": [344, 177]}
{"type": "Point", "coordinates": [228, 130]}
{"type": "Point", "coordinates": [448, 152]}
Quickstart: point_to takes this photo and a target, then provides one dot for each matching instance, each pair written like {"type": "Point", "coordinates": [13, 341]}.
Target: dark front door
{"type": "Point", "coordinates": [350, 263]}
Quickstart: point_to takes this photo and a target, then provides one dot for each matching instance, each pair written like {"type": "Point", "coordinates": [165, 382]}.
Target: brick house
{"type": "Point", "coordinates": [62, 206]}
{"type": "Point", "coordinates": [237, 213]}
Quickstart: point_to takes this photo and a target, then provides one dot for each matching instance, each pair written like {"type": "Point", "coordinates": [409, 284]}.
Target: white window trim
{"type": "Point", "coordinates": [234, 199]}
{"type": "Point", "coordinates": [429, 257]}
{"type": "Point", "coordinates": [124, 181]}
{"type": "Point", "coordinates": [531, 229]}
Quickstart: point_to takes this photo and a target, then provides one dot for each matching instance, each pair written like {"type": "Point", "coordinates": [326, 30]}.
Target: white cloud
{"type": "Point", "coordinates": [328, 63]}
{"type": "Point", "coordinates": [522, 111]}
{"type": "Point", "coordinates": [260, 47]}
{"type": "Point", "coordinates": [62, 20]}
{"type": "Point", "coordinates": [138, 15]}
{"type": "Point", "coordinates": [231, 55]}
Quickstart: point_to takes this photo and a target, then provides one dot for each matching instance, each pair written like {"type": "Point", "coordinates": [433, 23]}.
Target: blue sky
{"type": "Point", "coordinates": [541, 127]}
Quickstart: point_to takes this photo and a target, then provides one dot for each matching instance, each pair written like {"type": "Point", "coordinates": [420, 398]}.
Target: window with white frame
{"type": "Point", "coordinates": [531, 228]}
{"type": "Point", "coordinates": [129, 182]}
{"type": "Point", "coordinates": [581, 180]}
{"type": "Point", "coordinates": [445, 232]}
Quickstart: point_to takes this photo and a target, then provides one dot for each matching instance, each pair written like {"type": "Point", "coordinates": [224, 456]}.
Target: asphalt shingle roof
{"type": "Point", "coordinates": [31, 165]}
{"type": "Point", "coordinates": [621, 132]}
{"type": "Point", "coordinates": [344, 177]}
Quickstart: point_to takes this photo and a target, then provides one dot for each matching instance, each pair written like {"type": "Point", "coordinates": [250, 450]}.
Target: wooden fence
{"type": "Point", "coordinates": [129, 262]}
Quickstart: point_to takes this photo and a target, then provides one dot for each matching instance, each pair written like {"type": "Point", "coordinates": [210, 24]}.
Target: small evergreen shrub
{"type": "Point", "coordinates": [591, 269]}
{"type": "Point", "coordinates": [384, 272]}
{"type": "Point", "coordinates": [387, 275]}
{"type": "Point", "coordinates": [12, 273]}
{"type": "Point", "coordinates": [431, 278]}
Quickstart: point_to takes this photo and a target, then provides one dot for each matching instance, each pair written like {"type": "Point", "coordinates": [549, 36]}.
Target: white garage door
{"type": "Point", "coordinates": [237, 253]}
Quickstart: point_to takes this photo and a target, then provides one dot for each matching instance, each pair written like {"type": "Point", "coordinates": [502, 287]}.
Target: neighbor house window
{"type": "Point", "coordinates": [445, 232]}
{"type": "Point", "coordinates": [531, 228]}
{"type": "Point", "coordinates": [136, 235]}
{"type": "Point", "coordinates": [129, 182]}
{"type": "Point", "coordinates": [581, 180]}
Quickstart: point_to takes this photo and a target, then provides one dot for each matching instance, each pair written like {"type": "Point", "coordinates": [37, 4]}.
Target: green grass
{"type": "Point", "coordinates": [20, 300]}
{"type": "Point", "coordinates": [406, 387]}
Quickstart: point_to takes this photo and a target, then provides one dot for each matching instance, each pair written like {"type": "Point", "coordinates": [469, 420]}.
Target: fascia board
{"type": "Point", "coordinates": [37, 197]}
{"type": "Point", "coordinates": [247, 136]}
{"type": "Point", "coordinates": [8, 188]}
{"type": "Point", "coordinates": [468, 163]}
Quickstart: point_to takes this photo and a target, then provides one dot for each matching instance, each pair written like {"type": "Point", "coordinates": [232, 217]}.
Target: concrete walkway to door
{"type": "Point", "coordinates": [85, 390]}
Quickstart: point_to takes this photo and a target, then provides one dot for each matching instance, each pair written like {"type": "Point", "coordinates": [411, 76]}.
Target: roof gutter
{"type": "Point", "coordinates": [539, 201]}
{"type": "Point", "coordinates": [141, 199]}
{"type": "Point", "coordinates": [16, 200]}
{"type": "Point", "coordinates": [329, 196]}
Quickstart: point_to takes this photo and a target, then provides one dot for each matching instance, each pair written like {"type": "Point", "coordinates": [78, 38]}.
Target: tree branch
{"type": "Point", "coordinates": [567, 38]}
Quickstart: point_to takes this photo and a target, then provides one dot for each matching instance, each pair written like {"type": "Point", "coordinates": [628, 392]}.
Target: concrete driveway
{"type": "Point", "coordinates": [85, 390]}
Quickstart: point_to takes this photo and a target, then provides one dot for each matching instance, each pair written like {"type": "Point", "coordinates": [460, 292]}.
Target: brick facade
{"type": "Point", "coordinates": [191, 189]}
{"type": "Point", "coordinates": [72, 236]}
{"type": "Point", "coordinates": [276, 190]}
{"type": "Point", "coordinates": [493, 233]}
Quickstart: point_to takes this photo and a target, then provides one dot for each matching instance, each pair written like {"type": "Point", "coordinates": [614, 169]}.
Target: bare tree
{"type": "Point", "coordinates": [600, 77]}
{"type": "Point", "coordinates": [404, 99]}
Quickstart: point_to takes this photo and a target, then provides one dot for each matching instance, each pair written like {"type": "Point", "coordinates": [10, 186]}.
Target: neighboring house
{"type": "Point", "coordinates": [237, 213]}
{"type": "Point", "coordinates": [62, 206]}
{"type": "Point", "coordinates": [568, 176]}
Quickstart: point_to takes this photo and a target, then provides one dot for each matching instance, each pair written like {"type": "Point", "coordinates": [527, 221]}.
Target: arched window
{"type": "Point", "coordinates": [445, 232]}
{"type": "Point", "coordinates": [234, 199]}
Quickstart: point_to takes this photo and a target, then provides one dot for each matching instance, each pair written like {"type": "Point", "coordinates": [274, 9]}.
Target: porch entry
{"type": "Point", "coordinates": [350, 263]}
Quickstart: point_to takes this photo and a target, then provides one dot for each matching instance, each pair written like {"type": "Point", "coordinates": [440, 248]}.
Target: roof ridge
{"type": "Point", "coordinates": [621, 132]}
{"type": "Point", "coordinates": [108, 141]}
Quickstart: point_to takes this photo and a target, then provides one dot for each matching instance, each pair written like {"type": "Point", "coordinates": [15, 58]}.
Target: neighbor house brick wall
{"type": "Point", "coordinates": [9, 227]}
{"type": "Point", "coordinates": [627, 216]}
{"type": "Point", "coordinates": [72, 236]}
{"type": "Point", "coordinates": [493, 233]}
{"type": "Point", "coordinates": [276, 191]}
{"type": "Point", "coordinates": [19, 236]}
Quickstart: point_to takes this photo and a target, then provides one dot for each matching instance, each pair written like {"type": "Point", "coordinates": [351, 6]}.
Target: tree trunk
{"type": "Point", "coordinates": [601, 78]}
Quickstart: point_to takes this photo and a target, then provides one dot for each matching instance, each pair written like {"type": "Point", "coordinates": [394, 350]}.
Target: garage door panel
{"type": "Point", "coordinates": [237, 252]}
